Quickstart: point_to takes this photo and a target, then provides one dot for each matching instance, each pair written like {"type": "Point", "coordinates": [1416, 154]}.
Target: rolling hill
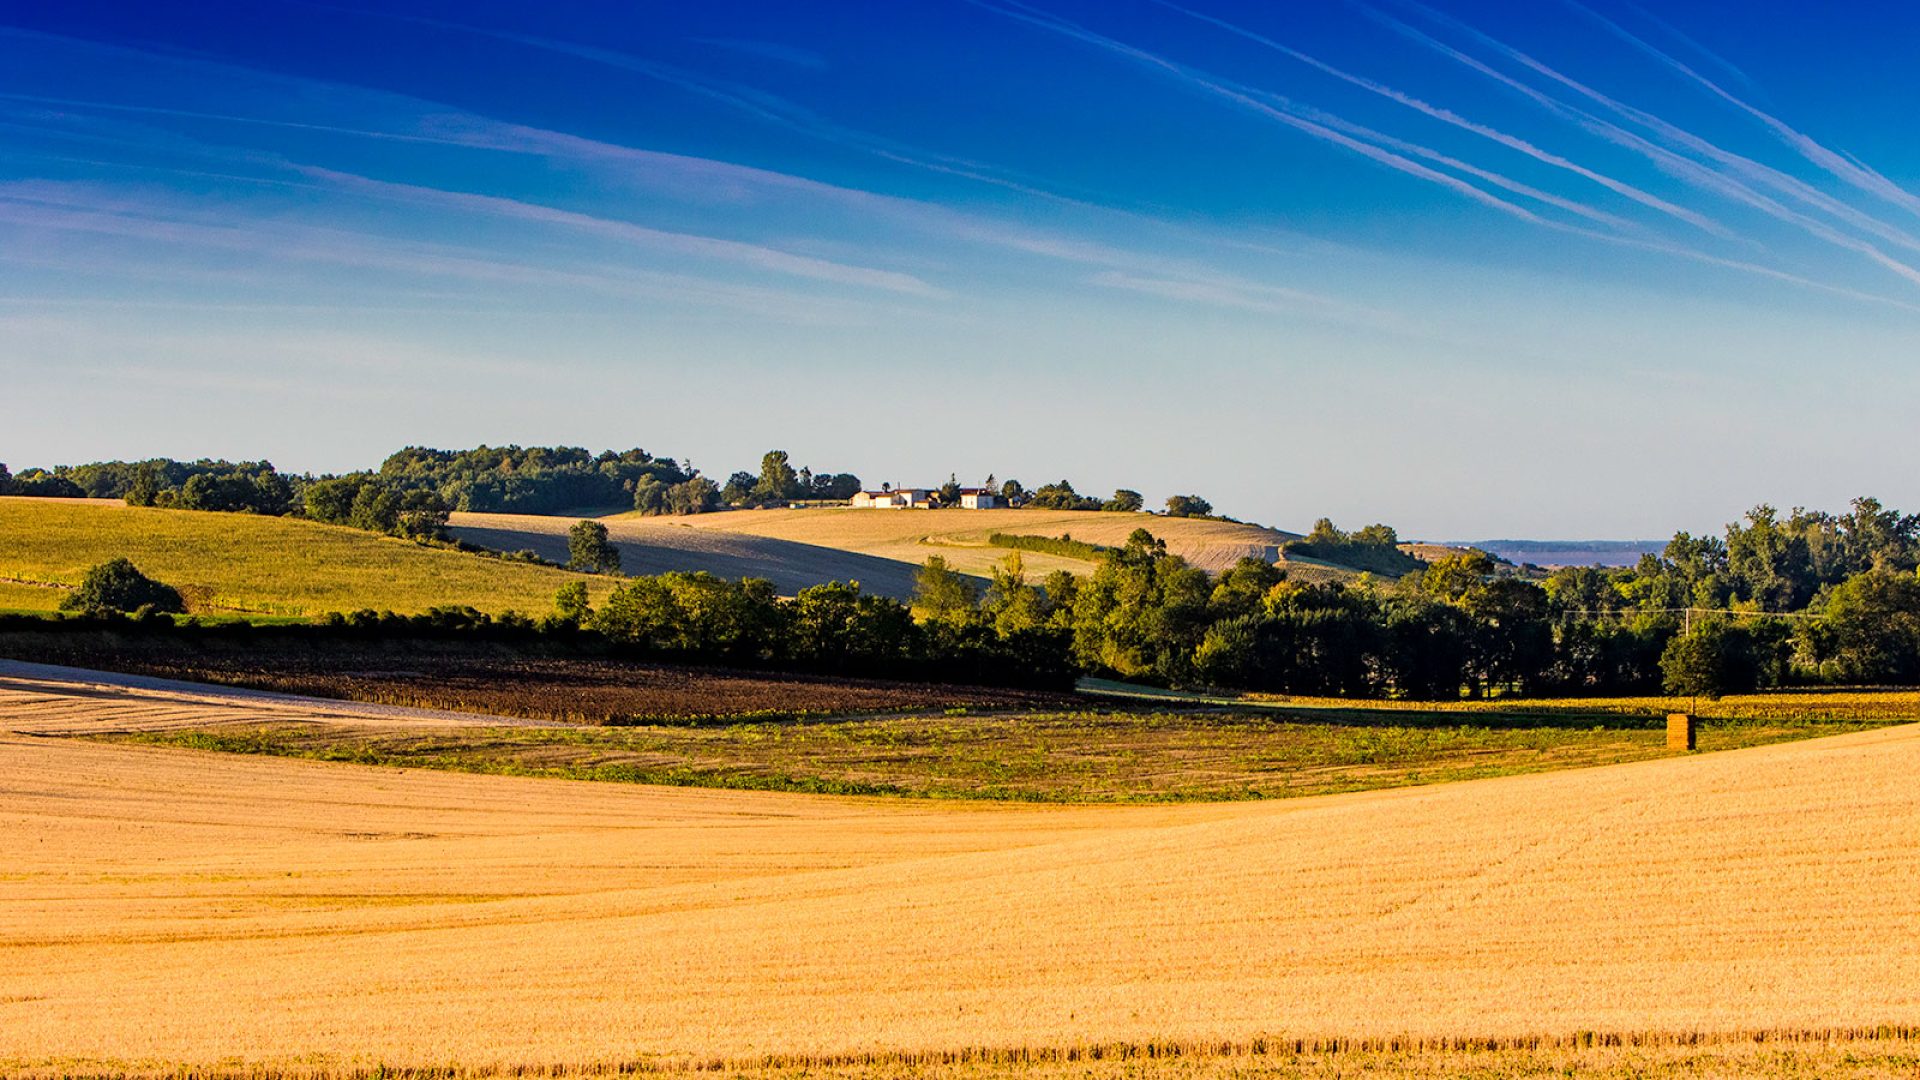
{"type": "Point", "coordinates": [167, 907]}
{"type": "Point", "coordinates": [879, 548]}
{"type": "Point", "coordinates": [246, 563]}
{"type": "Point", "coordinates": [293, 567]}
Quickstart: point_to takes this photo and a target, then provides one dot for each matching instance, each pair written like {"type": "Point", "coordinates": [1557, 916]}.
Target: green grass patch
{"type": "Point", "coordinates": [1082, 757]}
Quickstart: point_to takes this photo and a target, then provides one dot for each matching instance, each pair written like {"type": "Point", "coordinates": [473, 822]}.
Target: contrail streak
{"type": "Point", "coordinates": [1398, 162]}
{"type": "Point", "coordinates": [1682, 168]}
{"type": "Point", "coordinates": [1674, 32]}
{"type": "Point", "coordinates": [1411, 149]}
{"type": "Point", "coordinates": [771, 259]}
{"type": "Point", "coordinates": [1447, 116]}
{"type": "Point", "coordinates": [1031, 16]}
{"type": "Point", "coordinates": [1753, 170]}
{"type": "Point", "coordinates": [765, 107]}
{"type": "Point", "coordinates": [1841, 168]}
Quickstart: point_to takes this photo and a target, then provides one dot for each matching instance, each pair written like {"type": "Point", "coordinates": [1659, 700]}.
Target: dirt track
{"type": "Point", "coordinates": [49, 699]}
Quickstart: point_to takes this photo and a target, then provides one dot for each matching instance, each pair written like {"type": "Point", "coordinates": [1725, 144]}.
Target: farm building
{"type": "Point", "coordinates": [894, 499]}
{"type": "Point", "coordinates": [972, 498]}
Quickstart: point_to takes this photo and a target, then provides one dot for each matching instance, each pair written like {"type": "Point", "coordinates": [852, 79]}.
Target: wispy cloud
{"type": "Point", "coordinates": [1415, 150]}
{"type": "Point", "coordinates": [1230, 293]}
{"type": "Point", "coordinates": [1447, 116]}
{"type": "Point", "coordinates": [1676, 34]}
{"type": "Point", "coordinates": [87, 209]}
{"type": "Point", "coordinates": [1851, 172]}
{"type": "Point", "coordinates": [1689, 170]}
{"type": "Point", "coordinates": [735, 251]}
{"type": "Point", "coordinates": [1223, 89]}
{"type": "Point", "coordinates": [695, 179]}
{"type": "Point", "coordinates": [748, 100]}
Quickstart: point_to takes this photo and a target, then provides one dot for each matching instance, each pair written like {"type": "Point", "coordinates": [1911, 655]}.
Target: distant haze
{"type": "Point", "coordinates": [1568, 552]}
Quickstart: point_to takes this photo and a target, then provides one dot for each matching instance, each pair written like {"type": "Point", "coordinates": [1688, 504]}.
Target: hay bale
{"type": "Point", "coordinates": [1680, 731]}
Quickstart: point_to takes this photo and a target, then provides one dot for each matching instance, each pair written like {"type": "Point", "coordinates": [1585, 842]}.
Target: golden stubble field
{"type": "Point", "coordinates": [879, 548]}
{"type": "Point", "coordinates": [163, 906]}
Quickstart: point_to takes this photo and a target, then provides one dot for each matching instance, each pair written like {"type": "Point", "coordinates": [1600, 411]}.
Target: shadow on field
{"type": "Point", "coordinates": [791, 566]}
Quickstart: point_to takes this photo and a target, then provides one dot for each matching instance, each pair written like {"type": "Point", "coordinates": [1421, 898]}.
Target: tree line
{"type": "Point", "coordinates": [1805, 598]}
{"type": "Point", "coordinates": [411, 492]}
{"type": "Point", "coordinates": [1688, 621]}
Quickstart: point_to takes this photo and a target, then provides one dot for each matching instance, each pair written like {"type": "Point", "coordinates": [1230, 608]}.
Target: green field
{"type": "Point", "coordinates": [1125, 757]}
{"type": "Point", "coordinates": [260, 565]}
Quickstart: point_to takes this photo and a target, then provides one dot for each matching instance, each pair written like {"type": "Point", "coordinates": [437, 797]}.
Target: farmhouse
{"type": "Point", "coordinates": [973, 498]}
{"type": "Point", "coordinates": [894, 499]}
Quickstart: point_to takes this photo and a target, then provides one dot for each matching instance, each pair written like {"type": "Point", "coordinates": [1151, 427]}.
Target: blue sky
{"type": "Point", "coordinates": [1475, 269]}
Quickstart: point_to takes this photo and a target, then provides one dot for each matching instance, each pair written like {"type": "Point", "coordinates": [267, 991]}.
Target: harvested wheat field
{"type": "Point", "coordinates": [879, 548]}
{"type": "Point", "coordinates": [161, 907]}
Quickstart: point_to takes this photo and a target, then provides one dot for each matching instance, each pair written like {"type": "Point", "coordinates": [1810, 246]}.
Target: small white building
{"type": "Point", "coordinates": [980, 499]}
{"type": "Point", "coordinates": [894, 499]}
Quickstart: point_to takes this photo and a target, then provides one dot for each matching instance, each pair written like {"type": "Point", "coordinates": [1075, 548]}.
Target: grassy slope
{"type": "Point", "coordinates": [270, 565]}
{"type": "Point", "coordinates": [880, 548]}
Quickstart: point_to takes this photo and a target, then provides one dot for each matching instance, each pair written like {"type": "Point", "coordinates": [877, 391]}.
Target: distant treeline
{"type": "Point", "coordinates": [1805, 598]}
{"type": "Point", "coordinates": [1374, 549]}
{"type": "Point", "coordinates": [1809, 598]}
{"type": "Point", "coordinates": [685, 618]}
{"type": "Point", "coordinates": [412, 491]}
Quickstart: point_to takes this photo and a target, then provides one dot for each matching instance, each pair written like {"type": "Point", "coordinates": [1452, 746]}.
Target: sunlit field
{"type": "Point", "coordinates": [250, 564]}
{"type": "Point", "coordinates": [792, 546]}
{"type": "Point", "coordinates": [164, 906]}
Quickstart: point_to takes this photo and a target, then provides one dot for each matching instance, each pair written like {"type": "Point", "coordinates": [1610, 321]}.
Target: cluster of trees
{"type": "Point", "coordinates": [246, 486]}
{"type": "Point", "coordinates": [1374, 549]}
{"type": "Point", "coordinates": [1810, 597]}
{"type": "Point", "coordinates": [532, 479]}
{"type": "Point", "coordinates": [779, 483]}
{"type": "Point", "coordinates": [832, 628]}
{"type": "Point", "coordinates": [249, 487]}
{"type": "Point", "coordinates": [494, 479]}
{"type": "Point", "coordinates": [556, 479]}
{"type": "Point", "coordinates": [38, 482]}
{"type": "Point", "coordinates": [1060, 495]}
{"type": "Point", "coordinates": [370, 502]}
